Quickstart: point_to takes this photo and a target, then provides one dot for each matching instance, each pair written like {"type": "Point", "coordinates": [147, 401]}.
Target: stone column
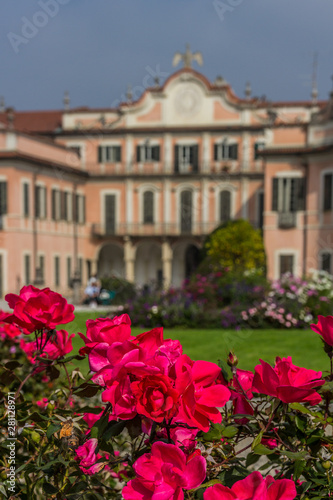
{"type": "Point", "coordinates": [129, 257]}
{"type": "Point", "coordinates": [167, 264]}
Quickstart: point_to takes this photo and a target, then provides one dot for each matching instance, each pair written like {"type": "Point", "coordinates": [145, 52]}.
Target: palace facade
{"type": "Point", "coordinates": [134, 191]}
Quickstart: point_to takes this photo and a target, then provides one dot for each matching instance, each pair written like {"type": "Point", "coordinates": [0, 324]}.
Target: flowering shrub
{"type": "Point", "coordinates": [292, 302]}
{"type": "Point", "coordinates": [151, 423]}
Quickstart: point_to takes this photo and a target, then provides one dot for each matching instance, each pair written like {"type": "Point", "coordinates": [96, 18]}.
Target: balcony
{"type": "Point", "coordinates": [158, 229]}
{"type": "Point", "coordinates": [161, 169]}
{"type": "Point", "coordinates": [287, 220]}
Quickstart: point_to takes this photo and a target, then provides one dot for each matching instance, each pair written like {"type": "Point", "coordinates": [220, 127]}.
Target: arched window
{"type": "Point", "coordinates": [186, 211]}
{"type": "Point", "coordinates": [225, 206]}
{"type": "Point", "coordinates": [148, 207]}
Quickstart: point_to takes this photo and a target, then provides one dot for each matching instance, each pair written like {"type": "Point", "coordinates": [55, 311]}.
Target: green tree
{"type": "Point", "coordinates": [237, 246]}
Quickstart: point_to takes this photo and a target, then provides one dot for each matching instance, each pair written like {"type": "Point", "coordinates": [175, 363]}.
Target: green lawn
{"type": "Point", "coordinates": [304, 346]}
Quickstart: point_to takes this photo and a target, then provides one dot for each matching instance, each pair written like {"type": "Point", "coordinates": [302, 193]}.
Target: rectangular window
{"type": "Point", "coordinates": [286, 264]}
{"type": "Point", "coordinates": [27, 270]}
{"type": "Point", "coordinates": [110, 213]}
{"type": "Point", "coordinates": [225, 151]}
{"type": "Point", "coordinates": [289, 194]}
{"type": "Point", "coordinates": [146, 153]}
{"type": "Point", "coordinates": [56, 204]}
{"type": "Point", "coordinates": [40, 202]}
{"type": "Point", "coordinates": [42, 268]}
{"type": "Point", "coordinates": [26, 201]}
{"type": "Point", "coordinates": [258, 146]}
{"type": "Point", "coordinates": [328, 179]}
{"type": "Point", "coordinates": [80, 209]}
{"type": "Point", "coordinates": [326, 262]}
{"type": "Point", "coordinates": [67, 206]}
{"type": "Point", "coordinates": [109, 154]}
{"type": "Point", "coordinates": [69, 272]}
{"type": "Point", "coordinates": [186, 159]}
{"type": "Point", "coordinates": [57, 271]}
{"type": "Point", "coordinates": [3, 201]}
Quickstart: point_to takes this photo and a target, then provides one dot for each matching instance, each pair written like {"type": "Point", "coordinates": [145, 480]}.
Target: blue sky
{"type": "Point", "coordinates": [95, 48]}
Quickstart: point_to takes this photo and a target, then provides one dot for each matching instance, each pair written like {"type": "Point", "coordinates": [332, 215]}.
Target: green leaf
{"type": "Point", "coordinates": [214, 433]}
{"type": "Point", "coordinates": [87, 390]}
{"type": "Point", "coordinates": [298, 455]}
{"type": "Point", "coordinates": [49, 489]}
{"type": "Point", "coordinates": [88, 409]}
{"type": "Point", "coordinates": [252, 458]}
{"type": "Point", "coordinates": [114, 429]}
{"type": "Point", "coordinates": [257, 440]}
{"type": "Point", "coordinates": [230, 431]}
{"type": "Point", "coordinates": [52, 429]}
{"type": "Point", "coordinates": [260, 449]}
{"type": "Point", "coordinates": [82, 485]}
{"type": "Point", "coordinates": [11, 365]}
{"type": "Point", "coordinates": [226, 370]}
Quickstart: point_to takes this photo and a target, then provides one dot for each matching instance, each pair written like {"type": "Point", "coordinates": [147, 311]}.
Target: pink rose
{"type": "Point", "coordinates": [165, 473]}
{"type": "Point", "coordinates": [241, 386]}
{"type": "Point", "coordinates": [36, 309]}
{"type": "Point", "coordinates": [105, 331]}
{"type": "Point", "coordinates": [289, 383]}
{"type": "Point", "coordinates": [325, 328]}
{"type": "Point", "coordinates": [88, 458]}
{"type": "Point", "coordinates": [254, 487]}
{"type": "Point", "coordinates": [201, 396]}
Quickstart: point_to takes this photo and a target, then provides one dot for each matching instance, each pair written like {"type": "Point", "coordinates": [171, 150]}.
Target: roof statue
{"type": "Point", "coordinates": [187, 58]}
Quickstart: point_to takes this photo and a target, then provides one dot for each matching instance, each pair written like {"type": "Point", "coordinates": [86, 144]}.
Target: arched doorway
{"type": "Point", "coordinates": [185, 260]}
{"type": "Point", "coordinates": [111, 261]}
{"type": "Point", "coordinates": [148, 265]}
{"type": "Point", "coordinates": [192, 259]}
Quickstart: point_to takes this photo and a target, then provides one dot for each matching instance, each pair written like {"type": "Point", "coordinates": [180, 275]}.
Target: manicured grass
{"type": "Point", "coordinates": [304, 346]}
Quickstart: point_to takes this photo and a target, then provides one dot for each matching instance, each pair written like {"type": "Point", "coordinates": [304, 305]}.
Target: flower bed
{"type": "Point", "coordinates": [151, 423]}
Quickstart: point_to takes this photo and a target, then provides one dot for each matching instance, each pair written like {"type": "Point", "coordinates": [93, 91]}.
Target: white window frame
{"type": "Point", "coordinates": [286, 251]}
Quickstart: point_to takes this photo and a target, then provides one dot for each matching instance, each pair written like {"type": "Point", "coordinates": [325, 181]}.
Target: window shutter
{"type": "Point", "coordinates": [326, 262]}
{"type": "Point", "coordinates": [53, 200]}
{"type": "Point", "coordinates": [26, 199]}
{"type": "Point", "coordinates": [83, 209]}
{"type": "Point", "coordinates": [138, 154]}
{"type": "Point", "coordinates": [275, 194]}
{"type": "Point", "coordinates": [225, 206]}
{"type": "Point", "coordinates": [3, 197]}
{"type": "Point", "coordinates": [327, 192]}
{"type": "Point", "coordinates": [100, 154]}
{"type": "Point", "coordinates": [156, 153]}
{"type": "Point", "coordinates": [63, 206]}
{"type": "Point", "coordinates": [177, 158]}
{"type": "Point", "coordinates": [110, 214]}
{"type": "Point", "coordinates": [148, 207]}
{"type": "Point", "coordinates": [216, 152]}
{"type": "Point", "coordinates": [118, 153]}
{"type": "Point", "coordinates": [301, 193]}
{"type": "Point", "coordinates": [186, 211]}
{"type": "Point", "coordinates": [233, 151]}
{"type": "Point", "coordinates": [44, 192]}
{"type": "Point", "coordinates": [37, 201]}
{"type": "Point", "coordinates": [195, 158]}
{"type": "Point", "coordinates": [74, 207]}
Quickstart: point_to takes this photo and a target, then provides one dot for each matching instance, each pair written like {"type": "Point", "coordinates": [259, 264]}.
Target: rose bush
{"type": "Point", "coordinates": [151, 423]}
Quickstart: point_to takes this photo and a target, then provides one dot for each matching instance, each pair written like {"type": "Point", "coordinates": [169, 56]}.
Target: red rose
{"type": "Point", "coordinates": [155, 397]}
{"type": "Point", "coordinates": [289, 383]}
{"type": "Point", "coordinates": [325, 328]}
{"type": "Point", "coordinates": [36, 309]}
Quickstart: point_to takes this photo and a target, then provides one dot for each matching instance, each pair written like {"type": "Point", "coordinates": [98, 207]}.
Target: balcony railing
{"type": "Point", "coordinates": [161, 168]}
{"type": "Point", "coordinates": [158, 229]}
{"type": "Point", "coordinates": [287, 220]}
